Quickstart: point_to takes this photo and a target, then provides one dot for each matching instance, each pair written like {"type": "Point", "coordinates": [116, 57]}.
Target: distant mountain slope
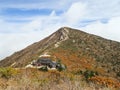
{"type": "Point", "coordinates": [76, 49]}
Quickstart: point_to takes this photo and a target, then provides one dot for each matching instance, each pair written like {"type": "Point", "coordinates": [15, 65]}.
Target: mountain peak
{"type": "Point", "coordinates": [75, 48]}
{"type": "Point", "coordinates": [64, 31]}
{"type": "Point", "coordinates": [63, 28]}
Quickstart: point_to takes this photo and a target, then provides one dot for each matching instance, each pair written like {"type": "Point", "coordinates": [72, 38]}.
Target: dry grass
{"type": "Point", "coordinates": [87, 52]}
{"type": "Point", "coordinates": [33, 79]}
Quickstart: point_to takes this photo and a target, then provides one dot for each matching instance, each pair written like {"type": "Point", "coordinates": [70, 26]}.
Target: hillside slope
{"type": "Point", "coordinates": [77, 49]}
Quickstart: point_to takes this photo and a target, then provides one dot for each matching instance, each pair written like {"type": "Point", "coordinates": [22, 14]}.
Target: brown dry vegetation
{"type": "Point", "coordinates": [33, 79]}
{"type": "Point", "coordinates": [79, 52]}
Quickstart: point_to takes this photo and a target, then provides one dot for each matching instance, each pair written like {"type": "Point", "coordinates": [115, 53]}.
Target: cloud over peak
{"type": "Point", "coordinates": [26, 21]}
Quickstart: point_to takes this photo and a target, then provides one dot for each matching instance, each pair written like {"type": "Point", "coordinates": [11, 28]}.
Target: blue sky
{"type": "Point", "coordinates": [23, 22]}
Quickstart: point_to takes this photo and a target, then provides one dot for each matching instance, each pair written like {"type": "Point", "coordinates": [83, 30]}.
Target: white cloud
{"type": "Point", "coordinates": [110, 30]}
{"type": "Point", "coordinates": [26, 33]}
{"type": "Point", "coordinates": [76, 12]}
{"type": "Point", "coordinates": [23, 34]}
{"type": "Point", "coordinates": [32, 26]}
{"type": "Point", "coordinates": [103, 8]}
{"type": "Point", "coordinates": [6, 27]}
{"type": "Point", "coordinates": [13, 42]}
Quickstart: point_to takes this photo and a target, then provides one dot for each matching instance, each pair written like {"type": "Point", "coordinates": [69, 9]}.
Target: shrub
{"type": "Point", "coordinates": [88, 74]}
{"type": "Point", "coordinates": [8, 72]}
{"type": "Point", "coordinates": [60, 67]}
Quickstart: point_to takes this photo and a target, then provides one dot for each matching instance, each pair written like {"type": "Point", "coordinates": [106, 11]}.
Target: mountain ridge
{"type": "Point", "coordinates": [76, 49]}
{"type": "Point", "coordinates": [59, 36]}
